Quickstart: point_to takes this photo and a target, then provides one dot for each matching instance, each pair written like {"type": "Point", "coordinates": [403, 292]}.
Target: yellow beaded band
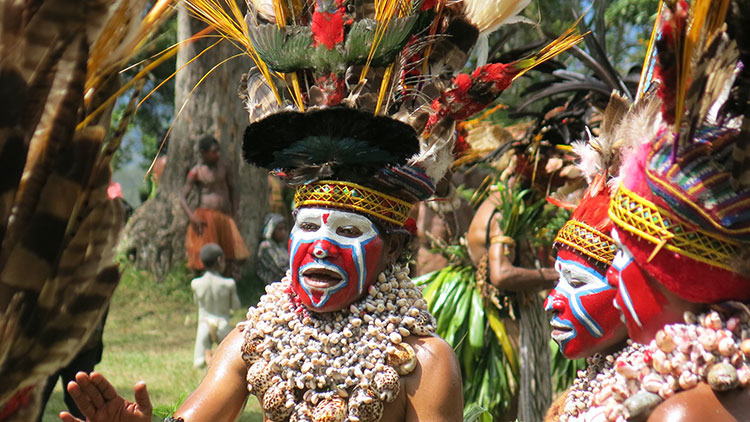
{"type": "Point", "coordinates": [662, 228]}
{"type": "Point", "coordinates": [588, 241]}
{"type": "Point", "coordinates": [351, 196]}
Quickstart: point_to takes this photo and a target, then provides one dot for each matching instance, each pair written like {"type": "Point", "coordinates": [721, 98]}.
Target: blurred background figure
{"type": "Point", "coordinates": [213, 221]}
{"type": "Point", "coordinates": [216, 296]}
{"type": "Point", "coordinates": [273, 252]}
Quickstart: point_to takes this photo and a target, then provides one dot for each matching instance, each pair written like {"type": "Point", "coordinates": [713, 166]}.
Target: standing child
{"type": "Point", "coordinates": [216, 296]}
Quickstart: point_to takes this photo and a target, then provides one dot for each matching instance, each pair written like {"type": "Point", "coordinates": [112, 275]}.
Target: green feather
{"type": "Point", "coordinates": [326, 61]}
{"type": "Point", "coordinates": [359, 41]}
{"type": "Point", "coordinates": [282, 49]}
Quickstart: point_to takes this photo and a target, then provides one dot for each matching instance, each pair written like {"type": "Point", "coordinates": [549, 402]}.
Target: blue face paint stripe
{"type": "Point", "coordinates": [579, 311]}
{"type": "Point", "coordinates": [576, 307]}
{"type": "Point", "coordinates": [329, 292]}
{"type": "Point", "coordinates": [623, 291]}
{"type": "Point", "coordinates": [357, 255]}
{"type": "Point", "coordinates": [573, 333]}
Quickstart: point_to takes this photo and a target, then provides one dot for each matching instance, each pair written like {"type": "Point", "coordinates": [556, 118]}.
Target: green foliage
{"type": "Point", "coordinates": [552, 219]}
{"type": "Point", "coordinates": [165, 411]}
{"type": "Point", "coordinates": [633, 12]}
{"type": "Point", "coordinates": [518, 213]}
{"type": "Point", "coordinates": [152, 119]}
{"type": "Point", "coordinates": [564, 370]}
{"type": "Point", "coordinates": [474, 413]}
{"type": "Point", "coordinates": [473, 328]}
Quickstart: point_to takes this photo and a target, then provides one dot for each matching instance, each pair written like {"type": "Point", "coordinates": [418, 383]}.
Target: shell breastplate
{"type": "Point", "coordinates": [338, 366]}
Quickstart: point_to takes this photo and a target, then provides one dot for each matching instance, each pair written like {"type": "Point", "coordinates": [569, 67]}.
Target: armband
{"type": "Point", "coordinates": [173, 419]}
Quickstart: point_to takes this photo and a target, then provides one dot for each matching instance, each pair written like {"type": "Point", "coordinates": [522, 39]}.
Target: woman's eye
{"type": "Point", "coordinates": [309, 227]}
{"type": "Point", "coordinates": [576, 282]}
{"type": "Point", "coordinates": [348, 231]}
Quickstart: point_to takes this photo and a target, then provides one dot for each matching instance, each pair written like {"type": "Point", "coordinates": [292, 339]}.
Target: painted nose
{"type": "Point", "coordinates": [323, 249]}
{"type": "Point", "coordinates": [554, 303]}
{"type": "Point", "coordinates": [319, 251]}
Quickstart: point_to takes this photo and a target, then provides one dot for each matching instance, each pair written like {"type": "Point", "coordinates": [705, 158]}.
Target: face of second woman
{"type": "Point", "coordinates": [584, 320]}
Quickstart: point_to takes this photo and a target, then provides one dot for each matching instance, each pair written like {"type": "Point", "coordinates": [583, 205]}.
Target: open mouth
{"type": "Point", "coordinates": [560, 330]}
{"type": "Point", "coordinates": [320, 278]}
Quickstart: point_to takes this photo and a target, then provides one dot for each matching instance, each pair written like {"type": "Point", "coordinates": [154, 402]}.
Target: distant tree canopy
{"type": "Point", "coordinates": [149, 125]}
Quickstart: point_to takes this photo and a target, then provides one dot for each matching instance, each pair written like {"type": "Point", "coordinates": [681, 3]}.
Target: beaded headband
{"type": "Point", "coordinates": [588, 241]}
{"type": "Point", "coordinates": [664, 229]}
{"type": "Point", "coordinates": [351, 196]}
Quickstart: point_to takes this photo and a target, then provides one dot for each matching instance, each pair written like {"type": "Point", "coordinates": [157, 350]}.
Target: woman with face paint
{"type": "Point", "coordinates": [683, 228]}
{"type": "Point", "coordinates": [584, 321]}
{"type": "Point", "coordinates": [346, 336]}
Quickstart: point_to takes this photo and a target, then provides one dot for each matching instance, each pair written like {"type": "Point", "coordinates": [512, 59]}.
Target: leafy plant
{"type": "Point", "coordinates": [564, 370]}
{"type": "Point", "coordinates": [472, 325]}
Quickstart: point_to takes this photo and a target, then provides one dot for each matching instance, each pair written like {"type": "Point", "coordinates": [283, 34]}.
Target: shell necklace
{"type": "Point", "coordinates": [711, 348]}
{"type": "Point", "coordinates": [337, 366]}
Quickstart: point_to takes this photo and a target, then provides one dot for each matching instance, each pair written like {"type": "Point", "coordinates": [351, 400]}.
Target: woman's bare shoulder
{"type": "Point", "coordinates": [701, 404]}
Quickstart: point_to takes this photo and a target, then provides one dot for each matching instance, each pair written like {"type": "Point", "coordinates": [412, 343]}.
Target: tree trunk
{"type": "Point", "coordinates": [156, 232]}
{"type": "Point", "coordinates": [535, 392]}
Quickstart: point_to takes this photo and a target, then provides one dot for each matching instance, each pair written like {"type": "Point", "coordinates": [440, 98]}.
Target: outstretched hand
{"type": "Point", "coordinates": [99, 402]}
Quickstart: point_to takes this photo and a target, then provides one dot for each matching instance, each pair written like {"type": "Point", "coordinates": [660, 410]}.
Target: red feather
{"type": "Point", "coordinates": [469, 95]}
{"type": "Point", "coordinates": [328, 27]}
{"type": "Point", "coordinates": [669, 44]}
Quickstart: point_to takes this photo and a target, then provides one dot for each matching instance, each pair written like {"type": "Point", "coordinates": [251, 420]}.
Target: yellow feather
{"type": "Point", "coordinates": [649, 62]}
{"type": "Point", "coordinates": [385, 10]}
{"type": "Point", "coordinates": [232, 28]}
{"type": "Point", "coordinates": [568, 39]}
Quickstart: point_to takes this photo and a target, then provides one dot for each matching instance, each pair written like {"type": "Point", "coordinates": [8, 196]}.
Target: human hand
{"type": "Point", "coordinates": [197, 224]}
{"type": "Point", "coordinates": [99, 402]}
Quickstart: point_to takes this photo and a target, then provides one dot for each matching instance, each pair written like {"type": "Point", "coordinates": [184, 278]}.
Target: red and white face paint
{"type": "Point", "coordinates": [644, 308]}
{"type": "Point", "coordinates": [334, 257]}
{"type": "Point", "coordinates": [583, 319]}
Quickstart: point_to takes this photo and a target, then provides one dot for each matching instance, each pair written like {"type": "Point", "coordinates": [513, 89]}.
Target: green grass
{"type": "Point", "coordinates": [149, 335]}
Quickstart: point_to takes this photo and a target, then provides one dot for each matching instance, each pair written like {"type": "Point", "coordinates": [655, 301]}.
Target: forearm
{"type": "Point", "coordinates": [520, 279]}
{"type": "Point", "coordinates": [221, 395]}
{"type": "Point", "coordinates": [505, 276]}
{"type": "Point", "coordinates": [184, 205]}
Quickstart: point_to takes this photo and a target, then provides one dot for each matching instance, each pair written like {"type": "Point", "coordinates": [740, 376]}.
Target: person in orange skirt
{"type": "Point", "coordinates": [213, 220]}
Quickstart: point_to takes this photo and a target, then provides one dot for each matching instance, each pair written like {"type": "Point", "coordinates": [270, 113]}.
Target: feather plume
{"type": "Point", "coordinates": [488, 15]}
{"type": "Point", "coordinates": [600, 156]}
{"type": "Point", "coordinates": [738, 101]}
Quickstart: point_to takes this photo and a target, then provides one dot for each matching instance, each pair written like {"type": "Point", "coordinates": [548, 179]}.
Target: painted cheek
{"type": "Point", "coordinates": [599, 306]}
{"type": "Point", "coordinates": [641, 304]}
{"type": "Point", "coordinates": [373, 252]}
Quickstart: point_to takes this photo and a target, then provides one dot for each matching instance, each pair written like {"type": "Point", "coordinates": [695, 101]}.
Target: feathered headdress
{"type": "Point", "coordinates": [587, 233]}
{"type": "Point", "coordinates": [354, 102]}
{"type": "Point", "coordinates": [683, 207]}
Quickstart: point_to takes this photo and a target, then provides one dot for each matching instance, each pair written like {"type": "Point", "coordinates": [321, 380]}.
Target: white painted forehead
{"type": "Point", "coordinates": [335, 217]}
